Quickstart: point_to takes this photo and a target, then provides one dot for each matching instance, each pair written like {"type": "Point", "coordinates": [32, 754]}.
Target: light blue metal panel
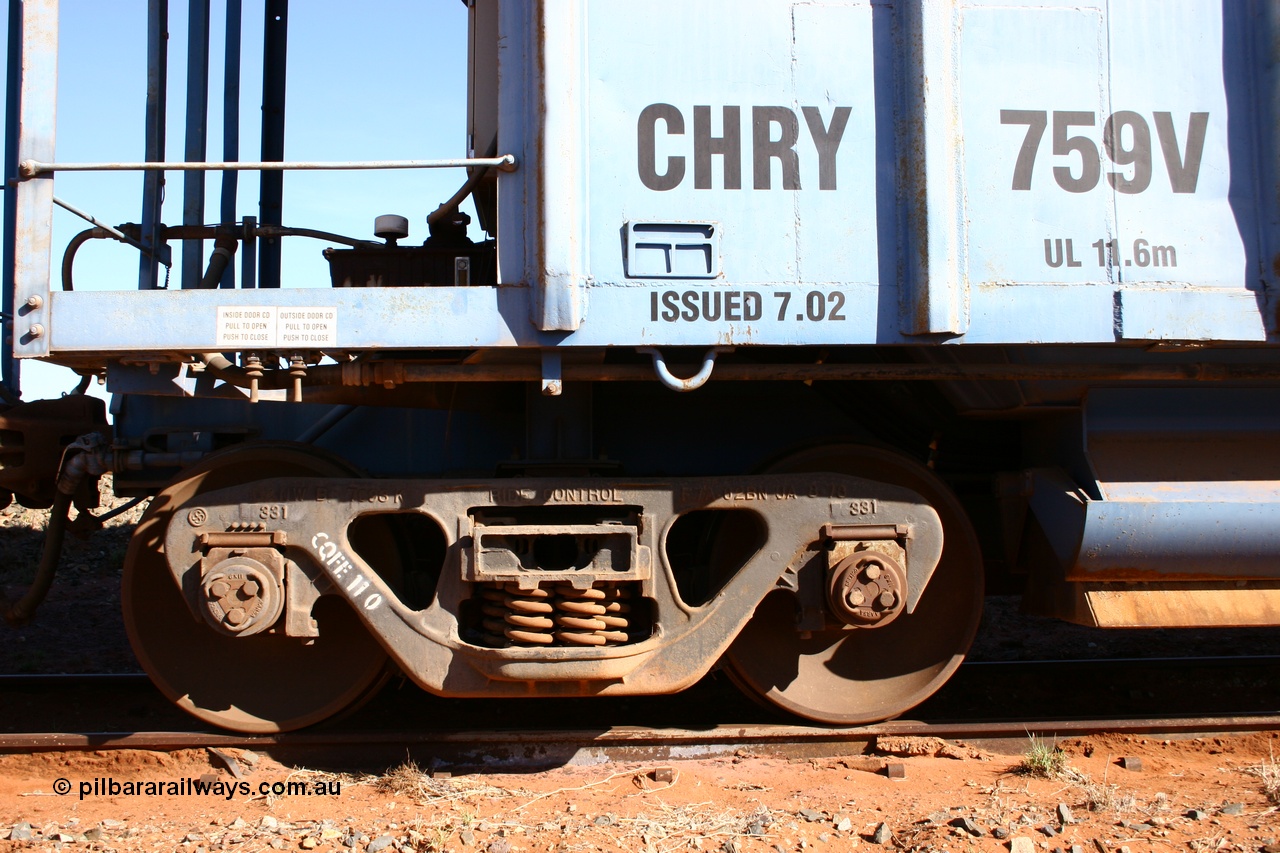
{"type": "Point", "coordinates": [560, 272]}
{"type": "Point", "coordinates": [1026, 172]}
{"type": "Point", "coordinates": [1169, 89]}
{"type": "Point", "coordinates": [841, 236]}
{"type": "Point", "coordinates": [1041, 314]}
{"type": "Point", "coordinates": [1099, 148]}
{"type": "Point", "coordinates": [364, 317]}
{"type": "Point", "coordinates": [1018, 67]}
{"type": "Point", "coordinates": [694, 313]}
{"type": "Point", "coordinates": [34, 217]}
{"type": "Point", "coordinates": [1191, 315]}
{"type": "Point", "coordinates": [517, 112]}
{"type": "Point", "coordinates": [933, 269]}
{"type": "Point", "coordinates": [688, 313]}
{"type": "Point", "coordinates": [541, 56]}
{"type": "Point", "coordinates": [407, 318]}
{"type": "Point", "coordinates": [708, 112]}
{"type": "Point", "coordinates": [846, 209]}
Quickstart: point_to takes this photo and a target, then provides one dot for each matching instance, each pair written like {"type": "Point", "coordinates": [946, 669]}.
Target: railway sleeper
{"type": "Point", "coordinates": [551, 587]}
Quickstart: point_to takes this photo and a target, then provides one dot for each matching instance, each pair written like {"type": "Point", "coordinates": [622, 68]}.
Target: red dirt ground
{"type": "Point", "coordinates": [1202, 795]}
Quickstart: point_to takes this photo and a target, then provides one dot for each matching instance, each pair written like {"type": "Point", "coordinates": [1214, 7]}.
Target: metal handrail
{"type": "Point", "coordinates": [34, 168]}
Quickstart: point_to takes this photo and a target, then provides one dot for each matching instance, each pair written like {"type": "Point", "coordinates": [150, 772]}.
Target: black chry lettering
{"type": "Point", "coordinates": [775, 134]}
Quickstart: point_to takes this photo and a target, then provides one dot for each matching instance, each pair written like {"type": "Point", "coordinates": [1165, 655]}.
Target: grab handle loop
{"type": "Point", "coordinates": [667, 378]}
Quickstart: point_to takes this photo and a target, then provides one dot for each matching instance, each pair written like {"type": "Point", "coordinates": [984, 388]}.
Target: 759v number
{"type": "Point", "coordinates": [1126, 140]}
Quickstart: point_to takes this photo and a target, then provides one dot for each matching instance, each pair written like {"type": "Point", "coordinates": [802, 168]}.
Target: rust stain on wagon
{"type": "Point", "coordinates": [1182, 608]}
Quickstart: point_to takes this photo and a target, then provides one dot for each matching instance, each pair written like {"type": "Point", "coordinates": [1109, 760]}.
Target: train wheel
{"type": "Point", "coordinates": [266, 682]}
{"type": "Point", "coordinates": [864, 675]}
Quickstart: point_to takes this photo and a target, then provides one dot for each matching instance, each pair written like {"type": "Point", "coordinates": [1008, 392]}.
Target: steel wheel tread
{"type": "Point", "coordinates": [260, 684]}
{"type": "Point", "coordinates": [856, 676]}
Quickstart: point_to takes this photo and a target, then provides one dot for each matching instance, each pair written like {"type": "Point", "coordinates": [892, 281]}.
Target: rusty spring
{"type": "Point", "coordinates": [559, 614]}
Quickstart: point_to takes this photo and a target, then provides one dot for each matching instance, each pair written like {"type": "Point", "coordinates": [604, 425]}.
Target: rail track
{"type": "Point", "coordinates": [504, 750]}
{"type": "Point", "coordinates": [994, 704]}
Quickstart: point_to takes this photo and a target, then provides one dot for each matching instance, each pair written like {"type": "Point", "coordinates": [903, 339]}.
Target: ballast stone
{"type": "Point", "coordinates": [1021, 844]}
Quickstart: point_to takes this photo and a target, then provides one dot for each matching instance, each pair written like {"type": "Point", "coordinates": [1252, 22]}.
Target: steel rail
{"type": "Point", "coordinates": [34, 168]}
{"type": "Point", "coordinates": [492, 744]}
{"type": "Point", "coordinates": [54, 680]}
{"type": "Point", "coordinates": [676, 742]}
{"type": "Point", "coordinates": [58, 680]}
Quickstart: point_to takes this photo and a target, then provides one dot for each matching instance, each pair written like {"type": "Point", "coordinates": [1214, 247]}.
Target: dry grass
{"type": "Point", "coordinates": [669, 828]}
{"type": "Point", "coordinates": [1108, 798]}
{"type": "Point", "coordinates": [409, 780]}
{"type": "Point", "coordinates": [405, 779]}
{"type": "Point", "coordinates": [688, 826]}
{"type": "Point", "coordinates": [1100, 796]}
{"type": "Point", "coordinates": [1269, 772]}
{"type": "Point", "coordinates": [1005, 804]}
{"type": "Point", "coordinates": [1212, 844]}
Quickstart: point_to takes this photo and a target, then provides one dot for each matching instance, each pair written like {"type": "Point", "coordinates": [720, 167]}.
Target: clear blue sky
{"type": "Point", "coordinates": [384, 79]}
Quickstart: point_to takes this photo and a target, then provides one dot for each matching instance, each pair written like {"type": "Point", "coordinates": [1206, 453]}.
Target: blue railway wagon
{"type": "Point", "coordinates": [790, 326]}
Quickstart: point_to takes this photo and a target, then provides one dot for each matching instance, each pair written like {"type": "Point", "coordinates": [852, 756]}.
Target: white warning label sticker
{"type": "Point", "coordinates": [276, 328]}
{"type": "Point", "coordinates": [307, 327]}
{"type": "Point", "coordinates": [243, 328]}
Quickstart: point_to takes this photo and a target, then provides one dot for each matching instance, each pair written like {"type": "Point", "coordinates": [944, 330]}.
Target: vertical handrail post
{"type": "Point", "coordinates": [231, 123]}
{"type": "Point", "coordinates": [153, 182]}
{"type": "Point", "coordinates": [10, 367]}
{"type": "Point", "coordinates": [271, 197]}
{"type": "Point", "coordinates": [197, 132]}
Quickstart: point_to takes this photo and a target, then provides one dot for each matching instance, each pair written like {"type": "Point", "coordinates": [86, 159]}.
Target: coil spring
{"type": "Point", "coordinates": [558, 615]}
{"type": "Point", "coordinates": [523, 616]}
{"type": "Point", "coordinates": [592, 617]}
